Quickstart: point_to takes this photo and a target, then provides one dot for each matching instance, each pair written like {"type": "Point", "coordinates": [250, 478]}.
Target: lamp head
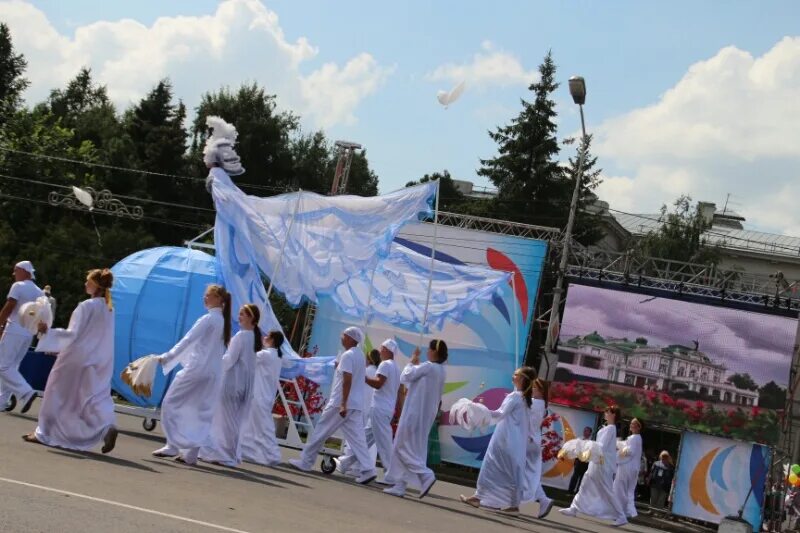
{"type": "Point", "coordinates": [577, 88]}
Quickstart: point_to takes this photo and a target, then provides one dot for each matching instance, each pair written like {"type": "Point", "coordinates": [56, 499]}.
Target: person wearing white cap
{"type": "Point", "coordinates": [344, 410]}
{"type": "Point", "coordinates": [16, 339]}
{"type": "Point", "coordinates": [384, 400]}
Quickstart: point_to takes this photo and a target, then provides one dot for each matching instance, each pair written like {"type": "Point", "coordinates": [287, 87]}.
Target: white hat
{"type": "Point", "coordinates": [219, 146]}
{"type": "Point", "coordinates": [355, 334]}
{"type": "Point", "coordinates": [27, 266]}
{"type": "Point", "coordinates": [391, 345]}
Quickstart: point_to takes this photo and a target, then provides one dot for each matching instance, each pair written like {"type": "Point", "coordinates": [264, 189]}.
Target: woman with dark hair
{"type": "Point", "coordinates": [233, 407]}
{"type": "Point", "coordinates": [259, 444]}
{"type": "Point", "coordinates": [424, 383]}
{"type": "Point", "coordinates": [596, 496]}
{"type": "Point", "coordinates": [501, 481]}
{"type": "Point", "coordinates": [188, 407]}
{"type": "Point", "coordinates": [77, 411]}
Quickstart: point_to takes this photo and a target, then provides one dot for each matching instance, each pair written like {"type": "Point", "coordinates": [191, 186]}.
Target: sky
{"type": "Point", "coordinates": [755, 343]}
{"type": "Point", "coordinates": [688, 97]}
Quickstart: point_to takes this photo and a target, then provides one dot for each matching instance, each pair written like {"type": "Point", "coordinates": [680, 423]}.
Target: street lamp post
{"type": "Point", "coordinates": [547, 367]}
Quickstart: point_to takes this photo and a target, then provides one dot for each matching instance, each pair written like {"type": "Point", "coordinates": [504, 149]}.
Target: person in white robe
{"type": "Point", "coordinates": [424, 385]}
{"type": "Point", "coordinates": [16, 339]}
{"type": "Point", "coordinates": [501, 480]}
{"type": "Point", "coordinates": [238, 375]}
{"type": "Point", "coordinates": [628, 466]}
{"type": "Point", "coordinates": [383, 385]}
{"type": "Point", "coordinates": [347, 460]}
{"type": "Point", "coordinates": [188, 407]}
{"type": "Point", "coordinates": [259, 442]}
{"type": "Point", "coordinates": [596, 496]}
{"type": "Point", "coordinates": [533, 454]}
{"type": "Point", "coordinates": [345, 410]}
{"type": "Point", "coordinates": [77, 411]}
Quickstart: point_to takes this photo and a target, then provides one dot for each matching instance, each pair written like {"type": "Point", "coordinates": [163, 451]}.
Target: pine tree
{"type": "Point", "coordinates": [450, 198]}
{"type": "Point", "coordinates": [530, 181]}
{"type": "Point", "coordinates": [12, 82]}
{"type": "Point", "coordinates": [587, 230]}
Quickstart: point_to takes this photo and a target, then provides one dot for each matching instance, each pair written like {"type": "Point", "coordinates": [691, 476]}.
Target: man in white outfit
{"type": "Point", "coordinates": [345, 410]}
{"type": "Point", "coordinates": [16, 339]}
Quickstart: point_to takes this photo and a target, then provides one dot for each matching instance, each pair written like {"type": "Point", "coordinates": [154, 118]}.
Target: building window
{"type": "Point", "coordinates": [663, 368]}
{"type": "Point", "coordinates": [644, 363]}
{"type": "Point", "coordinates": [567, 358]}
{"type": "Point", "coordinates": [592, 362]}
{"type": "Point", "coordinates": [595, 351]}
{"type": "Point", "coordinates": [630, 380]}
{"type": "Point", "coordinates": [681, 372]}
{"type": "Point", "coordinates": [727, 397]}
{"type": "Point", "coordinates": [704, 376]}
{"type": "Point", "coordinates": [692, 373]}
{"type": "Point", "coordinates": [715, 394]}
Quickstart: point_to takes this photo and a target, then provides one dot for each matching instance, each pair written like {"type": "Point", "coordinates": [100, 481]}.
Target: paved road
{"type": "Point", "coordinates": [48, 490]}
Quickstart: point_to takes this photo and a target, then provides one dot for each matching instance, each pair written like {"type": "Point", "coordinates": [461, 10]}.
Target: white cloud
{"type": "Point", "coordinates": [728, 126]}
{"type": "Point", "coordinates": [489, 67]}
{"type": "Point", "coordinates": [241, 41]}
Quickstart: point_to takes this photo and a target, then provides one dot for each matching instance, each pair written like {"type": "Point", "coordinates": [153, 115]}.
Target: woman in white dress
{"type": "Point", "coordinates": [77, 411]}
{"type": "Point", "coordinates": [501, 481]}
{"type": "Point", "coordinates": [628, 465]}
{"type": "Point", "coordinates": [188, 407]}
{"type": "Point", "coordinates": [259, 443]}
{"type": "Point", "coordinates": [533, 459]}
{"type": "Point", "coordinates": [596, 496]}
{"type": "Point", "coordinates": [424, 385]}
{"type": "Point", "coordinates": [233, 409]}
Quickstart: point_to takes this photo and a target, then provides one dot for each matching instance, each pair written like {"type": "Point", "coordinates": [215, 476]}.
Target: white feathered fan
{"type": "Point", "coordinates": [140, 374]}
{"type": "Point", "coordinates": [470, 415]}
{"type": "Point", "coordinates": [33, 313]}
{"type": "Point", "coordinates": [586, 451]}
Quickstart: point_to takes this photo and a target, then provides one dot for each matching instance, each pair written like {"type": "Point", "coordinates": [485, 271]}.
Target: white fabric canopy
{"type": "Point", "coordinates": [400, 284]}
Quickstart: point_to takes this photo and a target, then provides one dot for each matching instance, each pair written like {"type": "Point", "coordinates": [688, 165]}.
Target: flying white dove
{"type": "Point", "coordinates": [446, 98]}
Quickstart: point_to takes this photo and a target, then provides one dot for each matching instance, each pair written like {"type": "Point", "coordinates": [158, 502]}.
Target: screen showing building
{"type": "Point", "coordinates": [675, 363]}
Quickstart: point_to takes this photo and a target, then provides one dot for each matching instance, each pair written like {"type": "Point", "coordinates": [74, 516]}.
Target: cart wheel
{"type": "Point", "coordinates": [328, 466]}
{"type": "Point", "coordinates": [149, 424]}
{"type": "Point", "coordinates": [12, 403]}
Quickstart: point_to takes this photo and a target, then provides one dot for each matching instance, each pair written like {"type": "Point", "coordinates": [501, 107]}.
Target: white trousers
{"type": "Point", "coordinates": [352, 427]}
{"type": "Point", "coordinates": [13, 348]}
{"type": "Point", "coordinates": [379, 434]}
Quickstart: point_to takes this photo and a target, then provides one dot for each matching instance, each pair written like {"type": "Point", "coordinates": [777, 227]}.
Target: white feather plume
{"type": "Point", "coordinates": [470, 415]}
{"type": "Point", "coordinates": [140, 374]}
{"type": "Point", "coordinates": [35, 312]}
{"type": "Point", "coordinates": [219, 148]}
{"type": "Point", "coordinates": [584, 450]}
{"type": "Point", "coordinates": [221, 129]}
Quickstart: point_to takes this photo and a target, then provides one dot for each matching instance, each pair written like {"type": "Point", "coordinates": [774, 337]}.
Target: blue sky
{"type": "Point", "coordinates": [632, 54]}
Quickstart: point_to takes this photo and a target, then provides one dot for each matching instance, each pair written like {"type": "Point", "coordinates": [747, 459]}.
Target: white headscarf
{"type": "Point", "coordinates": [355, 334]}
{"type": "Point", "coordinates": [219, 146]}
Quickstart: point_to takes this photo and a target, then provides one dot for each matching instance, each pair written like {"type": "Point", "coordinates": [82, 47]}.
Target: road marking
{"type": "Point", "coordinates": [123, 505]}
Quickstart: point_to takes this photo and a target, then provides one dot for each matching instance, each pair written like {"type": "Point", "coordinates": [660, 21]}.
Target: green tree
{"type": "Point", "coordinates": [450, 198]}
{"type": "Point", "coordinates": [311, 163]}
{"type": "Point", "coordinates": [362, 180]}
{"type": "Point", "coordinates": [743, 382]}
{"type": "Point", "coordinates": [772, 396]}
{"type": "Point", "coordinates": [12, 81]}
{"type": "Point", "coordinates": [531, 184]}
{"type": "Point", "coordinates": [680, 236]}
{"type": "Point", "coordinates": [586, 231]}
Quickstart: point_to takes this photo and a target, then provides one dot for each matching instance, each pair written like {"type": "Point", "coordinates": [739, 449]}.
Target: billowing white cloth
{"type": "Point", "coordinates": [258, 441]}
{"type": "Point", "coordinates": [587, 451]}
{"type": "Point", "coordinates": [77, 409]}
{"type": "Point", "coordinates": [238, 366]}
{"type": "Point", "coordinates": [425, 384]}
{"type": "Point", "coordinates": [331, 238]}
{"type": "Point", "coordinates": [596, 496]}
{"type": "Point", "coordinates": [471, 415]}
{"type": "Point", "coordinates": [533, 455]}
{"type": "Point", "coordinates": [188, 407]}
{"type": "Point", "coordinates": [628, 465]}
{"type": "Point", "coordinates": [31, 314]}
{"type": "Point", "coordinates": [501, 480]}
{"type": "Point", "coordinates": [400, 286]}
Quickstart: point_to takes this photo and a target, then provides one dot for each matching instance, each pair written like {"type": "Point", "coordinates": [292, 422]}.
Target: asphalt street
{"type": "Point", "coordinates": [49, 490]}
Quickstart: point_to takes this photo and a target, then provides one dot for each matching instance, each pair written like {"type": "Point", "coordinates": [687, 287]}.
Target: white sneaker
{"type": "Point", "coordinates": [298, 465]}
{"type": "Point", "coordinates": [619, 522]}
{"type": "Point", "coordinates": [166, 451]}
{"type": "Point", "coordinates": [426, 482]}
{"type": "Point", "coordinates": [398, 490]}
{"type": "Point", "coordinates": [367, 478]}
{"type": "Point", "coordinates": [569, 511]}
{"type": "Point", "coordinates": [545, 508]}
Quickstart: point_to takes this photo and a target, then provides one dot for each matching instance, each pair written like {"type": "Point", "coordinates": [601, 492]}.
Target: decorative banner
{"type": "Point", "coordinates": [700, 367]}
{"type": "Point", "coordinates": [562, 424]}
{"type": "Point", "coordinates": [714, 478]}
{"type": "Point", "coordinates": [481, 347]}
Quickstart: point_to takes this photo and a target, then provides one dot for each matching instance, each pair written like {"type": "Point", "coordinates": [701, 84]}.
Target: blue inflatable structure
{"type": "Point", "coordinates": [158, 296]}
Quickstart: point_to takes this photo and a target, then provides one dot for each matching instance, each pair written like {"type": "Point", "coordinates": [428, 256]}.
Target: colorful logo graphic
{"type": "Point", "coordinates": [708, 477]}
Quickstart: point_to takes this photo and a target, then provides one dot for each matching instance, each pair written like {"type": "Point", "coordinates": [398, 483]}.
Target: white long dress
{"type": "Point", "coordinates": [425, 384]}
{"type": "Point", "coordinates": [628, 465]}
{"type": "Point", "coordinates": [238, 365]}
{"type": "Point", "coordinates": [501, 480]}
{"type": "Point", "coordinates": [189, 405]}
{"type": "Point", "coordinates": [596, 496]}
{"type": "Point", "coordinates": [77, 409]}
{"type": "Point", "coordinates": [259, 443]}
{"type": "Point", "coordinates": [533, 456]}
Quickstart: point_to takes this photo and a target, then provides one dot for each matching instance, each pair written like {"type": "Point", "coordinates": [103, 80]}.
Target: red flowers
{"type": "Point", "coordinates": [310, 394]}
